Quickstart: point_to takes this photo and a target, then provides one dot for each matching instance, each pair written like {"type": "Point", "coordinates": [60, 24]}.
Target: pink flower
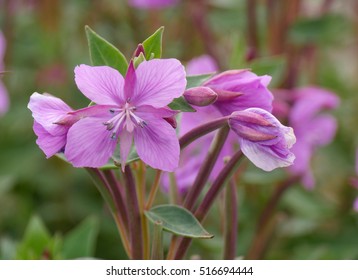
{"type": "Point", "coordinates": [201, 65]}
{"type": "Point", "coordinates": [4, 99]}
{"type": "Point", "coordinates": [240, 89]}
{"type": "Point", "coordinates": [313, 128]}
{"type": "Point", "coordinates": [237, 90]}
{"type": "Point", "coordinates": [48, 112]}
{"type": "Point", "coordinates": [152, 4]}
{"type": "Point", "coordinates": [263, 139]}
{"type": "Point", "coordinates": [132, 108]}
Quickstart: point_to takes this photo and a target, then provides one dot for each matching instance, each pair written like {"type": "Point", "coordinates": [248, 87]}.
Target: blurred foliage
{"type": "Point", "coordinates": [45, 204]}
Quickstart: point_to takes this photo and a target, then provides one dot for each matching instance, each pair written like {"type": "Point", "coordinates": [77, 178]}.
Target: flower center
{"type": "Point", "coordinates": [124, 118]}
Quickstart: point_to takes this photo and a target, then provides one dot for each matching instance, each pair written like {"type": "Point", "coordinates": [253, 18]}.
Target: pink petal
{"type": "Point", "coordinates": [47, 110]}
{"type": "Point", "coordinates": [159, 81]}
{"type": "Point", "coordinates": [4, 99]}
{"type": "Point", "coordinates": [265, 157]}
{"type": "Point", "coordinates": [48, 143]}
{"type": "Point", "coordinates": [125, 144]}
{"type": "Point", "coordinates": [89, 143]}
{"type": "Point", "coordinates": [101, 84]}
{"type": "Point", "coordinates": [157, 144]}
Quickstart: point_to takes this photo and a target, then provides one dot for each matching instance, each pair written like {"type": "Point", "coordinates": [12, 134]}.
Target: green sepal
{"type": "Point", "coordinates": [197, 80]}
{"type": "Point", "coordinates": [181, 105]}
{"type": "Point", "coordinates": [104, 53]}
{"type": "Point", "coordinates": [153, 44]}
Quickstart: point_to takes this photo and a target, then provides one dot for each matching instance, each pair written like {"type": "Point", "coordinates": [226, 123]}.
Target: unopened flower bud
{"type": "Point", "coordinates": [200, 96]}
{"type": "Point", "coordinates": [139, 50]}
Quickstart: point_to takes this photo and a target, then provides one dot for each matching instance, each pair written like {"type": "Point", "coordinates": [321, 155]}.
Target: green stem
{"type": "Point", "coordinates": [209, 198]}
{"type": "Point", "coordinates": [206, 168]}
{"type": "Point", "coordinates": [153, 190]}
{"type": "Point", "coordinates": [265, 224]}
{"type": "Point", "coordinates": [157, 243]}
{"type": "Point", "coordinates": [117, 196]}
{"type": "Point", "coordinates": [141, 192]}
{"type": "Point", "coordinates": [135, 224]}
{"type": "Point", "coordinates": [231, 221]}
{"type": "Point", "coordinates": [103, 187]}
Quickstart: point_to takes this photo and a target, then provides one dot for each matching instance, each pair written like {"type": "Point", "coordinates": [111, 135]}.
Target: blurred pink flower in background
{"type": "Point", "coordinates": [4, 99]}
{"type": "Point", "coordinates": [313, 127]}
{"type": "Point", "coordinates": [201, 65]}
{"type": "Point", "coordinates": [152, 4]}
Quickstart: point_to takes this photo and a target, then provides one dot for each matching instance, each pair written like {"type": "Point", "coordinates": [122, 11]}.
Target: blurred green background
{"type": "Point", "coordinates": [46, 40]}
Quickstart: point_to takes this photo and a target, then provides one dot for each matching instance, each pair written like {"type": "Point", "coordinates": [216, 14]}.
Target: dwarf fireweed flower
{"type": "Point", "coordinates": [152, 4]}
{"type": "Point", "coordinates": [4, 100]}
{"type": "Point", "coordinates": [313, 127]}
{"type": "Point", "coordinates": [263, 139]}
{"type": "Point", "coordinates": [236, 90]}
{"type": "Point", "coordinates": [129, 108]}
{"type": "Point", "coordinates": [239, 90]}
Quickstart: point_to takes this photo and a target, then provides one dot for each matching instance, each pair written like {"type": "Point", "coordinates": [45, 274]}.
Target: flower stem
{"type": "Point", "coordinates": [209, 198]}
{"type": "Point", "coordinates": [116, 190]}
{"type": "Point", "coordinates": [231, 221]}
{"type": "Point", "coordinates": [103, 187]}
{"type": "Point", "coordinates": [198, 10]}
{"type": "Point", "coordinates": [206, 168]}
{"type": "Point", "coordinates": [153, 190]}
{"type": "Point", "coordinates": [157, 243]}
{"type": "Point", "coordinates": [141, 192]}
{"type": "Point", "coordinates": [201, 130]}
{"type": "Point", "coordinates": [135, 224]}
{"type": "Point", "coordinates": [252, 37]}
{"type": "Point", "coordinates": [258, 244]}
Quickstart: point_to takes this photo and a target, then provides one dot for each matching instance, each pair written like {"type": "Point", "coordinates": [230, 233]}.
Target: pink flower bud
{"type": "Point", "coordinates": [200, 96]}
{"type": "Point", "coordinates": [139, 50]}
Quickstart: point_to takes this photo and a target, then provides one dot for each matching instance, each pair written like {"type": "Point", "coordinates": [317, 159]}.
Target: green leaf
{"type": "Point", "coordinates": [104, 53]}
{"type": "Point", "coordinates": [196, 80]}
{"type": "Point", "coordinates": [324, 30]}
{"type": "Point", "coordinates": [273, 66]}
{"type": "Point", "coordinates": [177, 220]}
{"type": "Point", "coordinates": [36, 241]}
{"type": "Point", "coordinates": [81, 241]}
{"type": "Point", "coordinates": [181, 105]}
{"type": "Point", "coordinates": [153, 44]}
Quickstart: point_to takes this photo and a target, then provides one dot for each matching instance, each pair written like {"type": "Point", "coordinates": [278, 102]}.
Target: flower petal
{"type": "Point", "coordinates": [157, 144]}
{"type": "Point", "coordinates": [101, 84]}
{"type": "Point", "coordinates": [47, 110]}
{"type": "Point", "coordinates": [125, 144]}
{"type": "Point", "coordinates": [89, 143]}
{"type": "Point", "coordinates": [48, 143]}
{"type": "Point", "coordinates": [159, 81]}
{"type": "Point", "coordinates": [4, 99]}
{"type": "Point", "coordinates": [266, 157]}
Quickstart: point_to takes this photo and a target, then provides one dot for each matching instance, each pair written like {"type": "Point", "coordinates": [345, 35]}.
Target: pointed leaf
{"type": "Point", "coordinates": [177, 220]}
{"type": "Point", "coordinates": [181, 104]}
{"type": "Point", "coordinates": [81, 241]}
{"type": "Point", "coordinates": [153, 45]}
{"type": "Point", "coordinates": [196, 80]}
{"type": "Point", "coordinates": [104, 53]}
{"type": "Point", "coordinates": [36, 241]}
